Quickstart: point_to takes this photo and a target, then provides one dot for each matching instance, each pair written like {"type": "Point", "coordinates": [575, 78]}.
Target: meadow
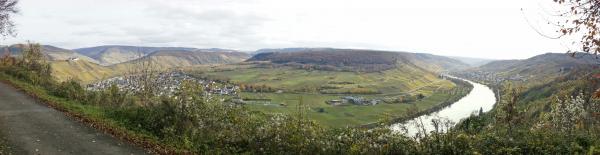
{"type": "Point", "coordinates": [294, 88]}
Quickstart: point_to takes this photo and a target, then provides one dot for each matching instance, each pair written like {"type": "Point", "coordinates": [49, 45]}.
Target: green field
{"type": "Point", "coordinates": [308, 86]}
{"type": "Point", "coordinates": [403, 79]}
{"type": "Point", "coordinates": [339, 116]}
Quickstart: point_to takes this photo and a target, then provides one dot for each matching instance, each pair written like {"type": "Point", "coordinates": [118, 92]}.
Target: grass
{"type": "Point", "coordinates": [340, 116]}
{"type": "Point", "coordinates": [402, 79]}
{"type": "Point", "coordinates": [391, 83]}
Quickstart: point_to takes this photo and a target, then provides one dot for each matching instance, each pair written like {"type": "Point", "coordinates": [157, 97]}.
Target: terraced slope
{"type": "Point", "coordinates": [114, 54]}
{"type": "Point", "coordinates": [357, 60]}
{"type": "Point", "coordinates": [52, 53]}
{"type": "Point", "coordinates": [81, 70]}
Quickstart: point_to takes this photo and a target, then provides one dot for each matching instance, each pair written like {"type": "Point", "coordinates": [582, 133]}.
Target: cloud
{"type": "Point", "coordinates": [163, 23]}
{"type": "Point", "coordinates": [464, 27]}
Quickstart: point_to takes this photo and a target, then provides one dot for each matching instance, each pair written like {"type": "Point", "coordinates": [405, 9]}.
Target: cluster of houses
{"type": "Point", "coordinates": [225, 90]}
{"type": "Point", "coordinates": [167, 84]}
{"type": "Point", "coordinates": [346, 100]}
{"type": "Point", "coordinates": [490, 77]}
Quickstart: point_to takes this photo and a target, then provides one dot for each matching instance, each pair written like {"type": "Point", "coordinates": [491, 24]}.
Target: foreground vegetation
{"type": "Point", "coordinates": [4, 146]}
{"type": "Point", "coordinates": [199, 124]}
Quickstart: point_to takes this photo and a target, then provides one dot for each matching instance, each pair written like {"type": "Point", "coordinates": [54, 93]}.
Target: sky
{"type": "Point", "coordinates": [495, 29]}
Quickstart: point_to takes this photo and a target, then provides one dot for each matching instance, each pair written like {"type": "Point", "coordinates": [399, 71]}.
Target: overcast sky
{"type": "Point", "coordinates": [475, 28]}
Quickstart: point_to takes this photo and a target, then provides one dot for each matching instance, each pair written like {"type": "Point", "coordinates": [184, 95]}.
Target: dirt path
{"type": "Point", "coordinates": [30, 127]}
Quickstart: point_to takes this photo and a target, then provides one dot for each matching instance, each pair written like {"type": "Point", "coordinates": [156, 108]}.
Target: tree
{"type": "Point", "coordinates": [583, 18]}
{"type": "Point", "coordinates": [7, 9]}
{"type": "Point", "coordinates": [32, 54]}
{"type": "Point", "coordinates": [420, 96]}
{"type": "Point", "coordinates": [567, 114]}
{"type": "Point", "coordinates": [507, 106]}
{"type": "Point", "coordinates": [144, 74]}
{"type": "Point", "coordinates": [33, 59]}
{"type": "Point", "coordinates": [242, 87]}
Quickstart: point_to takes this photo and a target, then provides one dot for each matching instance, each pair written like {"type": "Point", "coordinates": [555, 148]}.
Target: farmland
{"type": "Point", "coordinates": [293, 88]}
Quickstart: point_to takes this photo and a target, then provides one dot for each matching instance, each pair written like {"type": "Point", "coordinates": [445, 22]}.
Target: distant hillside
{"type": "Point", "coordinates": [548, 60]}
{"type": "Point", "coordinates": [473, 62]}
{"type": "Point", "coordinates": [297, 49]}
{"type": "Point", "coordinates": [545, 64]}
{"type": "Point", "coordinates": [52, 53]}
{"type": "Point", "coordinates": [434, 62]}
{"type": "Point", "coordinates": [55, 54]}
{"type": "Point", "coordinates": [181, 58]}
{"type": "Point", "coordinates": [87, 71]}
{"type": "Point", "coordinates": [109, 55]}
{"type": "Point", "coordinates": [499, 65]}
{"type": "Point", "coordinates": [361, 60]}
{"type": "Point", "coordinates": [82, 70]}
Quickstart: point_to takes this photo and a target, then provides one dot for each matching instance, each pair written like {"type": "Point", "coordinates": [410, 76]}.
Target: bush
{"type": "Point", "coordinates": [70, 89]}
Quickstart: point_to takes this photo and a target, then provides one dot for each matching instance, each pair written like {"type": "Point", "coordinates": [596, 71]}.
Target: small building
{"type": "Point", "coordinates": [73, 59]}
{"type": "Point", "coordinates": [353, 100]}
{"type": "Point", "coordinates": [334, 102]}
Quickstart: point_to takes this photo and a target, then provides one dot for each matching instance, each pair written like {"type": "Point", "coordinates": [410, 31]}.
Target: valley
{"type": "Point", "coordinates": [336, 87]}
{"type": "Point", "coordinates": [386, 85]}
{"type": "Point", "coordinates": [393, 90]}
{"type": "Point", "coordinates": [298, 77]}
{"type": "Point", "coordinates": [330, 88]}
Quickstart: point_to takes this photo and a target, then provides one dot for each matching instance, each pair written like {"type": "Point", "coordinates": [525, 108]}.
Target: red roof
{"type": "Point", "coordinates": [596, 76]}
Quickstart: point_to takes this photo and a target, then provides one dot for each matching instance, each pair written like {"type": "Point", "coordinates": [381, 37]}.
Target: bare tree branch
{"type": "Point", "coordinates": [7, 9]}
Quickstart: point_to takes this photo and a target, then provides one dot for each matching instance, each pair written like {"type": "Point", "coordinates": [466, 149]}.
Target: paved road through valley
{"type": "Point", "coordinates": [30, 127]}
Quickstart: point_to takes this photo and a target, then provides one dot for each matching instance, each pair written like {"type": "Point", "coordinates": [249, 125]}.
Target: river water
{"type": "Point", "coordinates": [481, 97]}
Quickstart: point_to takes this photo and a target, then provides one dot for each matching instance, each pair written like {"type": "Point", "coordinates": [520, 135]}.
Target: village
{"type": "Point", "coordinates": [490, 77]}
{"type": "Point", "coordinates": [167, 83]}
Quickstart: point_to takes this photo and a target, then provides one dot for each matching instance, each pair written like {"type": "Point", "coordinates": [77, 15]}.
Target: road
{"type": "Point", "coordinates": [30, 127]}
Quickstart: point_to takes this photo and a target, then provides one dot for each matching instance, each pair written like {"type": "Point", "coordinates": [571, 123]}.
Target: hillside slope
{"type": "Point", "coordinates": [549, 64]}
{"type": "Point", "coordinates": [182, 58]}
{"type": "Point", "coordinates": [81, 70]}
{"type": "Point", "coordinates": [52, 53]}
{"type": "Point", "coordinates": [539, 69]}
{"type": "Point", "coordinates": [173, 58]}
{"type": "Point", "coordinates": [434, 62]}
{"type": "Point", "coordinates": [473, 62]}
{"type": "Point", "coordinates": [357, 60]}
{"type": "Point", "coordinates": [88, 71]}
{"type": "Point", "coordinates": [113, 54]}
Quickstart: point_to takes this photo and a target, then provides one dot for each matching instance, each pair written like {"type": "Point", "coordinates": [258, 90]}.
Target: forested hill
{"type": "Point", "coordinates": [549, 64]}
{"type": "Point", "coordinates": [361, 60]}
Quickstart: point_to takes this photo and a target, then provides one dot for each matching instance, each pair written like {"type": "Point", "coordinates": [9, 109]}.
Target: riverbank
{"type": "Point", "coordinates": [444, 104]}
{"type": "Point", "coordinates": [481, 98]}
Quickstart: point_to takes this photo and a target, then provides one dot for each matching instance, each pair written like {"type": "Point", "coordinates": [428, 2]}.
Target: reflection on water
{"type": "Point", "coordinates": [481, 97]}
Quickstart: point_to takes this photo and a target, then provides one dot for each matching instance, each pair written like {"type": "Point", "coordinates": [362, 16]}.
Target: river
{"type": "Point", "coordinates": [480, 97]}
